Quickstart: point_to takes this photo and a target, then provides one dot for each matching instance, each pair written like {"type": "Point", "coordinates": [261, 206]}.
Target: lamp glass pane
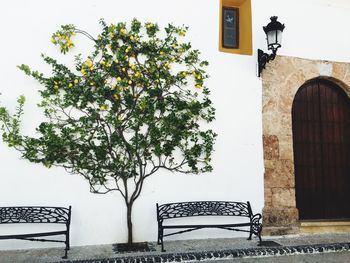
{"type": "Point", "coordinates": [279, 37]}
{"type": "Point", "coordinates": [271, 37]}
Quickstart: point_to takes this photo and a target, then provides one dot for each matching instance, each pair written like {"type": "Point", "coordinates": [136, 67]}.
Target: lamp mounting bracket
{"type": "Point", "coordinates": [264, 58]}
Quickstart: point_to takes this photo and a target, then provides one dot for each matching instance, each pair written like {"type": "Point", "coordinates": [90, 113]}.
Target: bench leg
{"type": "Point", "coordinates": [160, 238]}
{"type": "Point", "coordinates": [65, 253]}
{"type": "Point", "coordinates": [250, 232]}
{"type": "Point", "coordinates": [163, 250]}
{"type": "Point", "coordinates": [259, 236]}
{"type": "Point", "coordinates": [250, 235]}
{"type": "Point", "coordinates": [67, 246]}
{"type": "Point", "coordinates": [162, 242]}
{"type": "Point", "coordinates": [256, 230]}
{"type": "Point", "coordinates": [67, 242]}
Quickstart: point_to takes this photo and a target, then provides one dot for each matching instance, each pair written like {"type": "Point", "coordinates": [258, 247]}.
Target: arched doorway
{"type": "Point", "coordinates": [321, 143]}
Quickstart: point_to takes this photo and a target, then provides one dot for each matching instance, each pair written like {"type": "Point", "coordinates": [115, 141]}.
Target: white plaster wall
{"type": "Point", "coordinates": [26, 28]}
{"type": "Point", "coordinates": [315, 29]}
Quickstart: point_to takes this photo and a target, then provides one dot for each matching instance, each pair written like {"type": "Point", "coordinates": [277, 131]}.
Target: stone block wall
{"type": "Point", "coordinates": [281, 80]}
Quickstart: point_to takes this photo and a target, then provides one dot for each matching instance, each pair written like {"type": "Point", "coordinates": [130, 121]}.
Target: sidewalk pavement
{"type": "Point", "coordinates": [189, 250]}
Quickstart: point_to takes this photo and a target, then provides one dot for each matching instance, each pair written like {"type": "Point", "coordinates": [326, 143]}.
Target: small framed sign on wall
{"type": "Point", "coordinates": [230, 27]}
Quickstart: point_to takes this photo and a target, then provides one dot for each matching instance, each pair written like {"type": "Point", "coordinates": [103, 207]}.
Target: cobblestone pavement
{"type": "Point", "coordinates": [332, 257]}
{"type": "Point", "coordinates": [218, 250]}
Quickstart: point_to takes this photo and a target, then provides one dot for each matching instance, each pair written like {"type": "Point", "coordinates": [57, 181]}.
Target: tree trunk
{"type": "Point", "coordinates": [129, 222]}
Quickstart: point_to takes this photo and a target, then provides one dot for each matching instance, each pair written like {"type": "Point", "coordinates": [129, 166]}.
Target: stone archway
{"type": "Point", "coordinates": [281, 79]}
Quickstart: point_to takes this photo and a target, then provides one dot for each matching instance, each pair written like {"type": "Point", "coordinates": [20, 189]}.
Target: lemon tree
{"type": "Point", "coordinates": [135, 105]}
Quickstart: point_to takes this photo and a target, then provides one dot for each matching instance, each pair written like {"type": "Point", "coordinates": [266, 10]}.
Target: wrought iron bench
{"type": "Point", "coordinates": [37, 214]}
{"type": "Point", "coordinates": [207, 208]}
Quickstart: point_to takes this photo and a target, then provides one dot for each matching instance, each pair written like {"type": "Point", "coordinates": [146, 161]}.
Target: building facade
{"type": "Point", "coordinates": [257, 119]}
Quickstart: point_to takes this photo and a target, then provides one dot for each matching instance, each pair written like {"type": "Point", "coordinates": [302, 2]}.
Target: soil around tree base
{"type": "Point", "coordinates": [134, 247]}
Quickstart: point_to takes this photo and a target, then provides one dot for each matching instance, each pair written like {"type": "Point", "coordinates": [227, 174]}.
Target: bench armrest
{"type": "Point", "coordinates": [256, 225]}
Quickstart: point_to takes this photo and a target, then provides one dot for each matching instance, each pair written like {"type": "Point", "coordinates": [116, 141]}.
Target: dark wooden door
{"type": "Point", "coordinates": [321, 141]}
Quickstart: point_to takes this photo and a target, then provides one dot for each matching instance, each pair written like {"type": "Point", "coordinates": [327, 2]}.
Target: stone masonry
{"type": "Point", "coordinates": [281, 79]}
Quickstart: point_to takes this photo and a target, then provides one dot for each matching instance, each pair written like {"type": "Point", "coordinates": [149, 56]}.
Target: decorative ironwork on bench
{"type": "Point", "coordinates": [207, 208]}
{"type": "Point", "coordinates": [202, 208]}
{"type": "Point", "coordinates": [35, 215]}
{"type": "Point", "coordinates": [25, 214]}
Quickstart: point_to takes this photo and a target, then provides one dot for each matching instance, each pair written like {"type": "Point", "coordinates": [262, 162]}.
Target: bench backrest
{"type": "Point", "coordinates": [203, 208]}
{"type": "Point", "coordinates": [35, 214]}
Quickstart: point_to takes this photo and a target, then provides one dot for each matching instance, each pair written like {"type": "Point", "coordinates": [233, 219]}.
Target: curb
{"type": "Point", "coordinates": [224, 254]}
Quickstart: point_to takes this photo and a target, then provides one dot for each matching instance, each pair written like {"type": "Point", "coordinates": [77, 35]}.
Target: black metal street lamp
{"type": "Point", "coordinates": [273, 33]}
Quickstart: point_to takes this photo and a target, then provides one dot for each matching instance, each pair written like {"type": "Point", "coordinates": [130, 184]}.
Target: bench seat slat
{"type": "Point", "coordinates": [41, 234]}
{"type": "Point", "coordinates": [212, 225]}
